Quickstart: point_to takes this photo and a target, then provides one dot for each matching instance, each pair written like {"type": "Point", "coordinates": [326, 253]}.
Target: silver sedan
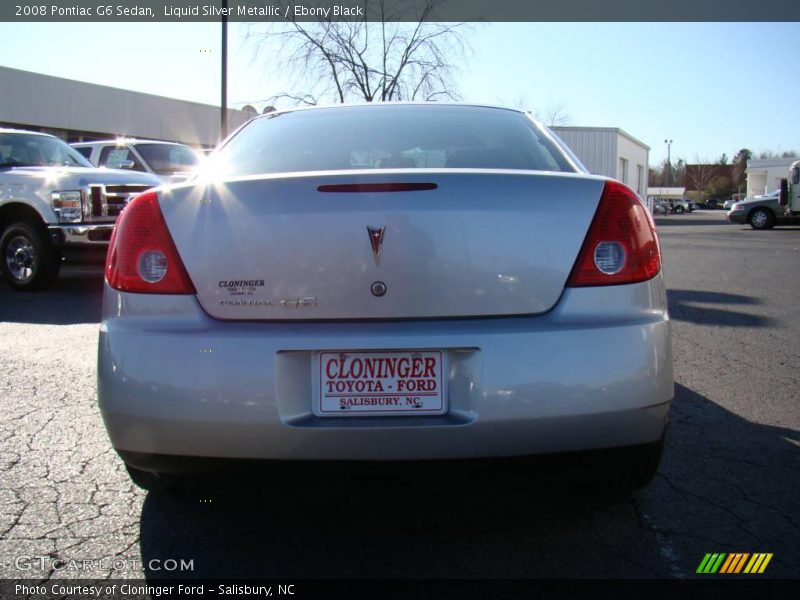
{"type": "Point", "coordinates": [385, 282]}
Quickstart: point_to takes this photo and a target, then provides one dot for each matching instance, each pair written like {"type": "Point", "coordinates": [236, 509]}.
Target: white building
{"type": "Point", "coordinates": [78, 111]}
{"type": "Point", "coordinates": [609, 151]}
{"type": "Point", "coordinates": [666, 193]}
{"type": "Point", "coordinates": [764, 175]}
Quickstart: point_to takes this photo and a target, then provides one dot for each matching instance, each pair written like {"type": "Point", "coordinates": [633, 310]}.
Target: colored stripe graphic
{"type": "Point", "coordinates": [765, 563]}
{"type": "Point", "coordinates": [703, 563]}
{"type": "Point", "coordinates": [729, 562]}
{"type": "Point", "coordinates": [733, 563]}
{"type": "Point", "coordinates": [758, 563]}
{"type": "Point", "coordinates": [716, 565]}
{"type": "Point", "coordinates": [737, 561]}
{"type": "Point", "coordinates": [711, 562]}
{"type": "Point", "coordinates": [741, 562]}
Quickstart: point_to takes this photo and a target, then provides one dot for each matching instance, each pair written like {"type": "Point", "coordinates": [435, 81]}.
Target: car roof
{"type": "Point", "coordinates": [380, 105]}
{"type": "Point", "coordinates": [124, 141]}
{"type": "Point", "coordinates": [26, 131]}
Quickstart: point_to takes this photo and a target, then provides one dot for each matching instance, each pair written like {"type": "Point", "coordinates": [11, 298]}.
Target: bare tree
{"type": "Point", "coordinates": [699, 175]}
{"type": "Point", "coordinates": [772, 154]}
{"type": "Point", "coordinates": [350, 59]}
{"type": "Point", "coordinates": [678, 175]}
{"type": "Point", "coordinates": [519, 101]}
{"type": "Point", "coordinates": [740, 168]}
{"type": "Point", "coordinates": [655, 177]}
{"type": "Point", "coordinates": [555, 115]}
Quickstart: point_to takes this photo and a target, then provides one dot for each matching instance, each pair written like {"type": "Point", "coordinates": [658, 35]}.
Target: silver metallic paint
{"type": "Point", "coordinates": [594, 372]}
{"type": "Point", "coordinates": [484, 243]}
{"type": "Point", "coordinates": [584, 368]}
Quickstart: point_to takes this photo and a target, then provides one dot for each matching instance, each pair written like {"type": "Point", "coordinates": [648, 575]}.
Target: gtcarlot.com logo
{"type": "Point", "coordinates": [734, 563]}
{"type": "Point", "coordinates": [49, 563]}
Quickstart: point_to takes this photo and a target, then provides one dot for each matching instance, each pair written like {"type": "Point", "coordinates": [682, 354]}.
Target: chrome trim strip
{"type": "Point", "coordinates": [78, 235]}
{"type": "Point", "coordinates": [122, 199]}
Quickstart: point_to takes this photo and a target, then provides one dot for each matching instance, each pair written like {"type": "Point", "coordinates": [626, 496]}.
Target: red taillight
{"type": "Point", "coordinates": [621, 246]}
{"type": "Point", "coordinates": [142, 257]}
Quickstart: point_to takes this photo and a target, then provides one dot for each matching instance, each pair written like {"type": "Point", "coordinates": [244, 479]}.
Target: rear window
{"type": "Point", "coordinates": [166, 159]}
{"type": "Point", "coordinates": [85, 152]}
{"type": "Point", "coordinates": [119, 157]}
{"type": "Point", "coordinates": [389, 137]}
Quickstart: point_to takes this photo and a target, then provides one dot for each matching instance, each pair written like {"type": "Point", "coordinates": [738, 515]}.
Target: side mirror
{"type": "Point", "coordinates": [783, 198]}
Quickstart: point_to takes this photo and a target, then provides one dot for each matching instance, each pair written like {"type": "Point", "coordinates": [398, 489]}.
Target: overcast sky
{"type": "Point", "coordinates": [710, 87]}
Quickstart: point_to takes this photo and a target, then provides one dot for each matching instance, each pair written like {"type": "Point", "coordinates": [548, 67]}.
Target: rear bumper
{"type": "Point", "coordinates": [172, 381]}
{"type": "Point", "coordinates": [736, 217]}
{"type": "Point", "coordinates": [591, 461]}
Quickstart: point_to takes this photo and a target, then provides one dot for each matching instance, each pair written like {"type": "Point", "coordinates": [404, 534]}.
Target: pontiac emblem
{"type": "Point", "coordinates": [376, 239]}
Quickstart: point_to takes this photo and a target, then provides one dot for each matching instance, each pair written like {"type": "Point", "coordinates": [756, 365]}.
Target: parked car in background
{"type": "Point", "coordinates": [170, 162]}
{"type": "Point", "coordinates": [385, 282]}
{"type": "Point", "coordinates": [728, 203]}
{"type": "Point", "coordinates": [669, 207]}
{"type": "Point", "coordinates": [760, 212]}
{"type": "Point", "coordinates": [54, 204]}
{"type": "Point", "coordinates": [661, 208]}
{"type": "Point", "coordinates": [713, 203]}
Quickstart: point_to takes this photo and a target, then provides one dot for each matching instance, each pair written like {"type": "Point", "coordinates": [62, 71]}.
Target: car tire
{"type": "Point", "coordinates": [761, 218]}
{"type": "Point", "coordinates": [679, 209]}
{"type": "Point", "coordinates": [27, 258]}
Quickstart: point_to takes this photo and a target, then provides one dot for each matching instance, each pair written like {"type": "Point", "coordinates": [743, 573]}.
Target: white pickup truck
{"type": "Point", "coordinates": [55, 205]}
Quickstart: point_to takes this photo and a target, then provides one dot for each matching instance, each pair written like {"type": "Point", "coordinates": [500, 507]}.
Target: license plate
{"type": "Point", "coordinates": [369, 383]}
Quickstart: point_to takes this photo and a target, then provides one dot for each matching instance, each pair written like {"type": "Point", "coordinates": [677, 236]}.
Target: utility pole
{"type": "Point", "coordinates": [669, 163]}
{"type": "Point", "coordinates": [223, 105]}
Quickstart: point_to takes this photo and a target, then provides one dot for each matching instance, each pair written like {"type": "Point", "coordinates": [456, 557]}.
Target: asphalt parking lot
{"type": "Point", "coordinates": [729, 481]}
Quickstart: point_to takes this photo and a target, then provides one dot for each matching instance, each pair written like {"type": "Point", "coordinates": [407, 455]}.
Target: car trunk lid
{"type": "Point", "coordinates": [438, 244]}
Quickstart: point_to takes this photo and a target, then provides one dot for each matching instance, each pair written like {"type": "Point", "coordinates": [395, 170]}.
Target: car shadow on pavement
{"type": "Point", "coordinates": [713, 308]}
{"type": "Point", "coordinates": [726, 484]}
{"type": "Point", "coordinates": [76, 297]}
{"type": "Point", "coordinates": [362, 527]}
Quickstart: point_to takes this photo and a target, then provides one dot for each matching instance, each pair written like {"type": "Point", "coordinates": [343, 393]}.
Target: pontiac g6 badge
{"type": "Point", "coordinates": [376, 239]}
